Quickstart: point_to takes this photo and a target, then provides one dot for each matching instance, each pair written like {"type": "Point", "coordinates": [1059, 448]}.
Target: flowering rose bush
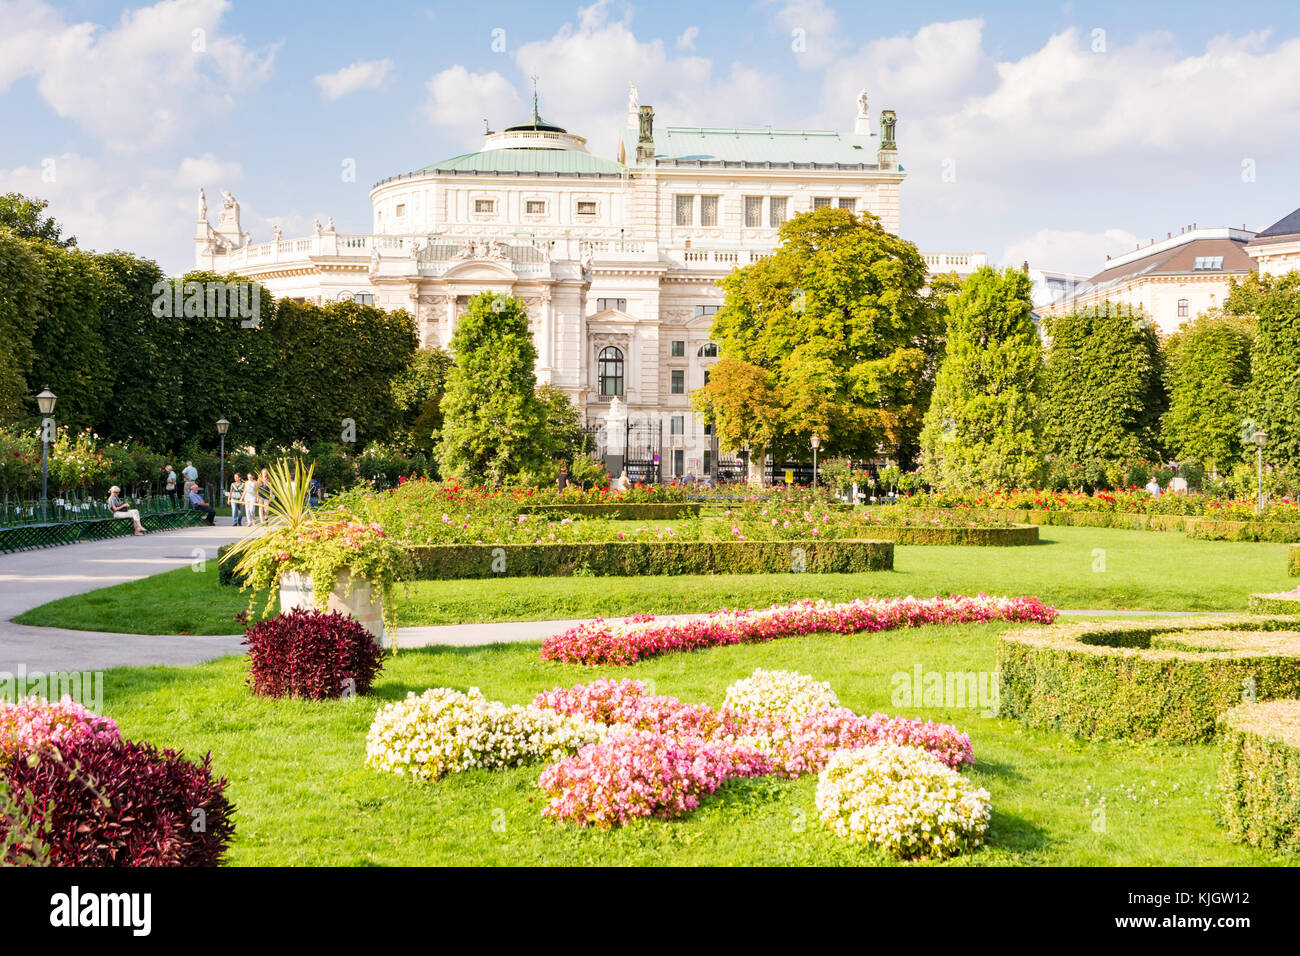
{"type": "Point", "coordinates": [902, 801]}
{"type": "Point", "coordinates": [444, 731]}
{"type": "Point", "coordinates": [606, 642]}
{"type": "Point", "coordinates": [641, 773]}
{"type": "Point", "coordinates": [785, 693]}
{"type": "Point", "coordinates": [33, 722]}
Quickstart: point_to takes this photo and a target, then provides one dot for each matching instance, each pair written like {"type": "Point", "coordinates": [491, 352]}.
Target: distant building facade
{"type": "Point", "coordinates": [1276, 250]}
{"type": "Point", "coordinates": [1170, 281]}
{"type": "Point", "coordinates": [616, 260]}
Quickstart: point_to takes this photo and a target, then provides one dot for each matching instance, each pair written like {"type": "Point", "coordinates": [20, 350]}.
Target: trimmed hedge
{"type": "Point", "coordinates": [628, 511]}
{"type": "Point", "coordinates": [1015, 535]}
{"type": "Point", "coordinates": [1293, 568]}
{"type": "Point", "coordinates": [627, 558]}
{"type": "Point", "coordinates": [1259, 773]}
{"type": "Point", "coordinates": [1279, 602]}
{"type": "Point", "coordinates": [1197, 527]}
{"type": "Point", "coordinates": [1144, 680]}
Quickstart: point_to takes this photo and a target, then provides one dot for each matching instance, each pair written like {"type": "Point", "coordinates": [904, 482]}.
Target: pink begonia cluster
{"type": "Point", "coordinates": [610, 642]}
{"type": "Point", "coordinates": [34, 722]}
{"type": "Point", "coordinates": [665, 755]}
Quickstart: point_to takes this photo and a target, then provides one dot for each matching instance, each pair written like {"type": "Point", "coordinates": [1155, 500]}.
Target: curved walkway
{"type": "Point", "coordinates": [32, 578]}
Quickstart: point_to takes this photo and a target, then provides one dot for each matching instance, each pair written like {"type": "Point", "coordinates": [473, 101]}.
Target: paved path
{"type": "Point", "coordinates": [32, 578]}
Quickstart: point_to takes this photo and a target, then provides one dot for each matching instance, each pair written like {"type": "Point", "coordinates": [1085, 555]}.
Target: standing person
{"type": "Point", "coordinates": [191, 473]}
{"type": "Point", "coordinates": [198, 504]}
{"type": "Point", "coordinates": [173, 485]}
{"type": "Point", "coordinates": [121, 510]}
{"type": "Point", "coordinates": [250, 498]}
{"type": "Point", "coordinates": [1153, 487]}
{"type": "Point", "coordinates": [263, 494]}
{"type": "Point", "coordinates": [563, 481]}
{"type": "Point", "coordinates": [236, 501]}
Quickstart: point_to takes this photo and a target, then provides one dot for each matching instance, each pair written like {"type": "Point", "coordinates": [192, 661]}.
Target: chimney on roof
{"type": "Point", "coordinates": [1169, 235]}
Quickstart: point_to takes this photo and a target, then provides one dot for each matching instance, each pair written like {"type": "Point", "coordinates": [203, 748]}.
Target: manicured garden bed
{"type": "Point", "coordinates": [1278, 602]}
{"type": "Point", "coordinates": [303, 794]}
{"type": "Point", "coordinates": [1166, 681]}
{"type": "Point", "coordinates": [1259, 773]}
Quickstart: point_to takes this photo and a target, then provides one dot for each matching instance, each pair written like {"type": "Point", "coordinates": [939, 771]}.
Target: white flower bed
{"type": "Point", "coordinates": [444, 731]}
{"type": "Point", "coordinates": [901, 800]}
{"type": "Point", "coordinates": [779, 693]}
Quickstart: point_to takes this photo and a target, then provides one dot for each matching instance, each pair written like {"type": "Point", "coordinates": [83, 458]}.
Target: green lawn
{"type": "Point", "coordinates": [1070, 567]}
{"type": "Point", "coordinates": [304, 795]}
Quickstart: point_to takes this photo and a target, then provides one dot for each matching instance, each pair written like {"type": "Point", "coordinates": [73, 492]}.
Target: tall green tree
{"type": "Point", "coordinates": [22, 285]}
{"type": "Point", "coordinates": [1104, 394]}
{"type": "Point", "coordinates": [1274, 396]}
{"type": "Point", "coordinates": [25, 215]}
{"type": "Point", "coordinates": [838, 323]}
{"type": "Point", "coordinates": [334, 368]}
{"type": "Point", "coordinates": [1207, 370]}
{"type": "Point", "coordinates": [147, 353]}
{"type": "Point", "coordinates": [982, 428]}
{"type": "Point", "coordinates": [418, 391]}
{"type": "Point", "coordinates": [71, 353]}
{"type": "Point", "coordinates": [493, 421]}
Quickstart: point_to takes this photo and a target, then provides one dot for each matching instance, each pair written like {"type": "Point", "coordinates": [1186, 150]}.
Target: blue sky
{"type": "Point", "coordinates": [1053, 132]}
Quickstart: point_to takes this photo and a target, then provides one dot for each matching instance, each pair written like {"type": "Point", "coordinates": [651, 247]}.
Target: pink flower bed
{"type": "Point", "coordinates": [667, 755]}
{"type": "Point", "coordinates": [640, 773]}
{"type": "Point", "coordinates": [34, 722]}
{"type": "Point", "coordinates": [609, 642]}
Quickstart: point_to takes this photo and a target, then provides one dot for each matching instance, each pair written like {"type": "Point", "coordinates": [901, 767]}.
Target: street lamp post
{"type": "Point", "coordinates": [45, 402]}
{"type": "Point", "coordinates": [1260, 439]}
{"type": "Point", "coordinates": [816, 443]}
{"type": "Point", "coordinates": [223, 426]}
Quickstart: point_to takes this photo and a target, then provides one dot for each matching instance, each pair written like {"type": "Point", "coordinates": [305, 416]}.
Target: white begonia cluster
{"type": "Point", "coordinates": [901, 800]}
{"type": "Point", "coordinates": [444, 731]}
{"type": "Point", "coordinates": [768, 693]}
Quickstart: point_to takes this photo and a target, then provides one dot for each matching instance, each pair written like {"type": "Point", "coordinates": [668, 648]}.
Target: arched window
{"type": "Point", "coordinates": [610, 370]}
{"type": "Point", "coordinates": [708, 350]}
{"type": "Point", "coordinates": [1184, 307]}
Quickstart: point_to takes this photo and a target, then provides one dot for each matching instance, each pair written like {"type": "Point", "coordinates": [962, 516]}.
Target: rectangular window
{"type": "Point", "coordinates": [777, 211]}
{"type": "Point", "coordinates": [821, 202]}
{"type": "Point", "coordinates": [535, 207]}
{"type": "Point", "coordinates": [679, 462]}
{"type": "Point", "coordinates": [685, 210]}
{"type": "Point", "coordinates": [1184, 308]}
{"type": "Point", "coordinates": [679, 381]}
{"type": "Point", "coordinates": [708, 462]}
{"type": "Point", "coordinates": [604, 305]}
{"type": "Point", "coordinates": [850, 204]}
{"type": "Point", "coordinates": [484, 205]}
{"type": "Point", "coordinates": [679, 349]}
{"type": "Point", "coordinates": [586, 209]}
{"type": "Point", "coordinates": [401, 209]}
{"type": "Point", "coordinates": [706, 376]}
{"type": "Point", "coordinates": [1207, 263]}
{"type": "Point", "coordinates": [364, 298]}
{"type": "Point", "coordinates": [708, 210]}
{"type": "Point", "coordinates": [706, 310]}
{"type": "Point", "coordinates": [753, 211]}
{"type": "Point", "coordinates": [678, 425]}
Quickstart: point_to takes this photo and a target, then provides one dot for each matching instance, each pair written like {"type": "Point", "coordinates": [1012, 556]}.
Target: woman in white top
{"type": "Point", "coordinates": [120, 509]}
{"type": "Point", "coordinates": [250, 499]}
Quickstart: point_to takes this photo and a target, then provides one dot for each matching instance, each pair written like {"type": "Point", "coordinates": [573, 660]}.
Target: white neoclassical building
{"type": "Point", "coordinates": [617, 259]}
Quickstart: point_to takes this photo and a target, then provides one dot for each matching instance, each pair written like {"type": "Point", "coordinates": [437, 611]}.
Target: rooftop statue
{"type": "Point", "coordinates": [862, 104]}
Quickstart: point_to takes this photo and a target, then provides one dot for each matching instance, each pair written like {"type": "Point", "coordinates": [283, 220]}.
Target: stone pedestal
{"type": "Point", "coordinates": [297, 590]}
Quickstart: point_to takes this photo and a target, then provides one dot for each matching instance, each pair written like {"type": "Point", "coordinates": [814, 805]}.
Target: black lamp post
{"type": "Point", "coordinates": [45, 402]}
{"type": "Point", "coordinates": [1261, 439]}
{"type": "Point", "coordinates": [223, 426]}
{"type": "Point", "coordinates": [816, 443]}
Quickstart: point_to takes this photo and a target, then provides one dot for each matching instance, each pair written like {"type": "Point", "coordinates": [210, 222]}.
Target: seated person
{"type": "Point", "coordinates": [198, 504]}
{"type": "Point", "coordinates": [121, 510]}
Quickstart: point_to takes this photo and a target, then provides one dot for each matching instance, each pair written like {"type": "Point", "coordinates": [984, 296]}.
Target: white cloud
{"type": "Point", "coordinates": [813, 29]}
{"type": "Point", "coordinates": [1068, 251]}
{"type": "Point", "coordinates": [460, 100]}
{"type": "Point", "coordinates": [158, 73]}
{"type": "Point", "coordinates": [207, 170]}
{"type": "Point", "coordinates": [362, 75]}
{"type": "Point", "coordinates": [686, 41]}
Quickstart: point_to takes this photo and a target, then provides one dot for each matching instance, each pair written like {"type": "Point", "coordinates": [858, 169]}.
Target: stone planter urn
{"type": "Point", "coordinates": [298, 590]}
